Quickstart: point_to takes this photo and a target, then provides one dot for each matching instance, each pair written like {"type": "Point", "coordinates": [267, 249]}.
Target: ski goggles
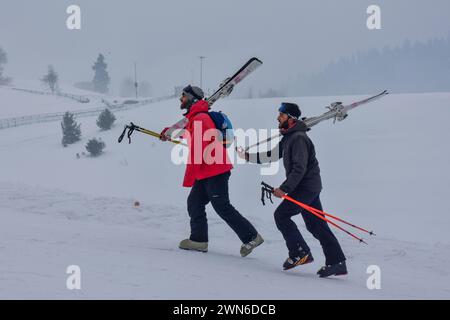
{"type": "Point", "coordinates": [284, 109]}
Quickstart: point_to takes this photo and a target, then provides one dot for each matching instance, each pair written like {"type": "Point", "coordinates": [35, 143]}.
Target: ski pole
{"type": "Point", "coordinates": [326, 214]}
{"type": "Point", "coordinates": [261, 142]}
{"type": "Point", "coordinates": [320, 214]}
{"type": "Point", "coordinates": [132, 127]}
{"type": "Point", "coordinates": [323, 218]}
{"type": "Point", "coordinates": [341, 220]}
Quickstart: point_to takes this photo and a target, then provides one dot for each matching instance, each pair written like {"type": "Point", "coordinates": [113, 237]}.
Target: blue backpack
{"type": "Point", "coordinates": [223, 124]}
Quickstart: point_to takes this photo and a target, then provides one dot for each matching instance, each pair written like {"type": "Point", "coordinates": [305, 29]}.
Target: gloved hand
{"type": "Point", "coordinates": [279, 193]}
{"type": "Point", "coordinates": [163, 136]}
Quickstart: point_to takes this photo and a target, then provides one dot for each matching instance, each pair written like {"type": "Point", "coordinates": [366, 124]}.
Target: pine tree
{"type": "Point", "coordinates": [71, 130]}
{"type": "Point", "coordinates": [51, 79]}
{"type": "Point", "coordinates": [105, 120]}
{"type": "Point", "coordinates": [101, 78]}
{"type": "Point", "coordinates": [3, 61]}
{"type": "Point", "coordinates": [95, 147]}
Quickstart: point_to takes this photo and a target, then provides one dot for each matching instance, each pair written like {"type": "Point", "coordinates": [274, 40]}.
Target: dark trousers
{"type": "Point", "coordinates": [215, 190]}
{"type": "Point", "coordinates": [318, 227]}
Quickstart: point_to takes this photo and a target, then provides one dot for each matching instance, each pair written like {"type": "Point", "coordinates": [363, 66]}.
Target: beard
{"type": "Point", "coordinates": [283, 125]}
{"type": "Point", "coordinates": [186, 105]}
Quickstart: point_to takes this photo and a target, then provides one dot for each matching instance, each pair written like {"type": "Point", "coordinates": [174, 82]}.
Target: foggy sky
{"type": "Point", "coordinates": [166, 37]}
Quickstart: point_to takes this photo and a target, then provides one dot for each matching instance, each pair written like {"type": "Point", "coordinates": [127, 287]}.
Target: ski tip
{"type": "Point", "coordinates": [362, 241]}
{"type": "Point", "coordinates": [256, 59]}
{"type": "Point", "coordinates": [372, 233]}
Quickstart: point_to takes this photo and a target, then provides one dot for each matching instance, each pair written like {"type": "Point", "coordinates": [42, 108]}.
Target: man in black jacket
{"type": "Point", "coordinates": [303, 183]}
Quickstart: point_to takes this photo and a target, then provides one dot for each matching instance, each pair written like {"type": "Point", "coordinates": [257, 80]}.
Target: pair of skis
{"type": "Point", "coordinates": [337, 111]}
{"type": "Point", "coordinates": [225, 89]}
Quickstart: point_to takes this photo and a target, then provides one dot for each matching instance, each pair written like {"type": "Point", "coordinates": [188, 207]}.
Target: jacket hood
{"type": "Point", "coordinates": [198, 107]}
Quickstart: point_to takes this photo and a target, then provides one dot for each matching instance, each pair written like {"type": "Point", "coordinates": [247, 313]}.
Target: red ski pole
{"type": "Point", "coordinates": [268, 190]}
{"type": "Point", "coordinates": [339, 219]}
{"type": "Point", "coordinates": [308, 208]}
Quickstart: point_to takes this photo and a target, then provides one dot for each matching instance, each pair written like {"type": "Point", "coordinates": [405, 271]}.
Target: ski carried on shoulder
{"type": "Point", "coordinates": [337, 111]}
{"type": "Point", "coordinates": [225, 89]}
{"type": "Point", "coordinates": [228, 84]}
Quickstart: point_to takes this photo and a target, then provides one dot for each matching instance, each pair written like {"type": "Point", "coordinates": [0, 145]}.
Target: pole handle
{"type": "Point", "coordinates": [266, 192]}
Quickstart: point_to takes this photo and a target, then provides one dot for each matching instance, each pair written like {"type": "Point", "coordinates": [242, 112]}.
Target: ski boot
{"type": "Point", "coordinates": [247, 248]}
{"type": "Point", "coordinates": [188, 244]}
{"type": "Point", "coordinates": [305, 258]}
{"type": "Point", "coordinates": [337, 269]}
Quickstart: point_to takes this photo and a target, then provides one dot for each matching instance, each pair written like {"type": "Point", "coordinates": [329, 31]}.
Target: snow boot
{"type": "Point", "coordinates": [337, 269]}
{"type": "Point", "coordinates": [188, 244]}
{"type": "Point", "coordinates": [247, 248]}
{"type": "Point", "coordinates": [305, 258]}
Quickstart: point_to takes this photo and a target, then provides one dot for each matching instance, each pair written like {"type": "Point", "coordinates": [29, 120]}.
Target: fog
{"type": "Point", "coordinates": [294, 38]}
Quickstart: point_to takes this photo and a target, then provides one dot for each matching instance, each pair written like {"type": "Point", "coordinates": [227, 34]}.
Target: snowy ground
{"type": "Point", "coordinates": [385, 167]}
{"type": "Point", "coordinates": [18, 103]}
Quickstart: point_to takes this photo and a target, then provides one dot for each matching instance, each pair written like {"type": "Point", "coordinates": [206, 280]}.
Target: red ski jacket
{"type": "Point", "coordinates": [207, 154]}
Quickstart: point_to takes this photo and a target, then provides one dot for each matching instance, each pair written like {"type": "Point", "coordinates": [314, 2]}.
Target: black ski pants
{"type": "Point", "coordinates": [215, 190]}
{"type": "Point", "coordinates": [318, 227]}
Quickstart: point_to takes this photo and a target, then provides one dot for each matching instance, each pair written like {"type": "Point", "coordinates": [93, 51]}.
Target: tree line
{"type": "Point", "coordinates": [411, 67]}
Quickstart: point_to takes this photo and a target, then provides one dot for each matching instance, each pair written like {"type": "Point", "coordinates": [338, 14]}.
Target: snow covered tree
{"type": "Point", "coordinates": [3, 61]}
{"type": "Point", "coordinates": [105, 120]}
{"type": "Point", "coordinates": [51, 79]}
{"type": "Point", "coordinates": [95, 147]}
{"type": "Point", "coordinates": [101, 77]}
{"type": "Point", "coordinates": [71, 129]}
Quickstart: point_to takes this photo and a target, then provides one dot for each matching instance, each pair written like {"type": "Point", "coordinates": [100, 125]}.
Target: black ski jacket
{"type": "Point", "coordinates": [299, 160]}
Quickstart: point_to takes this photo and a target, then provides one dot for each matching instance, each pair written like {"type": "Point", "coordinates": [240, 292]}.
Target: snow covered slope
{"type": "Point", "coordinates": [15, 103]}
{"type": "Point", "coordinates": [385, 168]}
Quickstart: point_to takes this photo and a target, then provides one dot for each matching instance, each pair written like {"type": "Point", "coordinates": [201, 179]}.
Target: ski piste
{"type": "Point", "coordinates": [337, 111]}
{"type": "Point", "coordinates": [224, 90]}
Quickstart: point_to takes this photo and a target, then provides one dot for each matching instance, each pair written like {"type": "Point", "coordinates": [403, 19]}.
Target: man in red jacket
{"type": "Point", "coordinates": [207, 173]}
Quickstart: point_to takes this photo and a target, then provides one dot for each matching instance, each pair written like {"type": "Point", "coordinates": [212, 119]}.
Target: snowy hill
{"type": "Point", "coordinates": [17, 102]}
{"type": "Point", "coordinates": [385, 168]}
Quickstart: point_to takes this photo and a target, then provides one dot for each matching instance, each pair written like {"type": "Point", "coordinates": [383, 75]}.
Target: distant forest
{"type": "Point", "coordinates": [409, 68]}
